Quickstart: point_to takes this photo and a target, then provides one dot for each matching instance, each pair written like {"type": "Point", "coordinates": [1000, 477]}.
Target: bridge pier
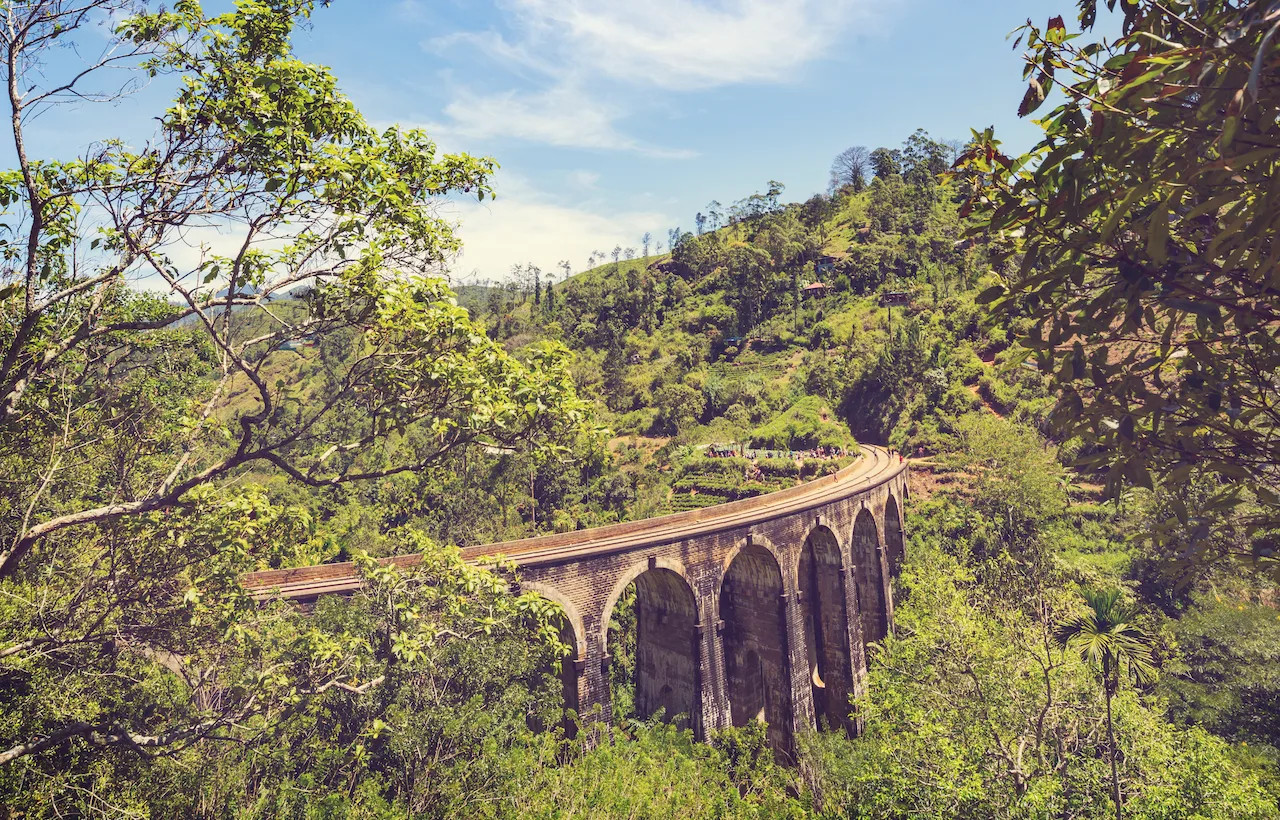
{"type": "Point", "coordinates": [594, 702]}
{"type": "Point", "coordinates": [714, 714]}
{"type": "Point", "coordinates": [800, 674]}
{"type": "Point", "coordinates": [857, 649]}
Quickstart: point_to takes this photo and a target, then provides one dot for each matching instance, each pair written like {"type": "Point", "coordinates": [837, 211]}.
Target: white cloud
{"type": "Point", "coordinates": [410, 11]}
{"type": "Point", "coordinates": [580, 52]}
{"type": "Point", "coordinates": [524, 226]}
{"type": "Point", "coordinates": [587, 180]}
{"type": "Point", "coordinates": [685, 44]}
{"type": "Point", "coordinates": [561, 116]}
{"type": "Point", "coordinates": [496, 47]}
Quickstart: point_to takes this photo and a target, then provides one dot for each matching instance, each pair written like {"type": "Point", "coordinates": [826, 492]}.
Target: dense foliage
{"type": "Point", "coordinates": [1146, 264]}
{"type": "Point", "coordinates": [130, 423]}
{"type": "Point", "coordinates": [322, 396]}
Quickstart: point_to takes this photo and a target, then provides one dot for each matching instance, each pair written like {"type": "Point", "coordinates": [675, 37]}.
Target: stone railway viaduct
{"type": "Point", "coordinates": [756, 609]}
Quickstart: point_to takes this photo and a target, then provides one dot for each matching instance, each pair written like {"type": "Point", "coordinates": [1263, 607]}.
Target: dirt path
{"type": "Point", "coordinates": [977, 394]}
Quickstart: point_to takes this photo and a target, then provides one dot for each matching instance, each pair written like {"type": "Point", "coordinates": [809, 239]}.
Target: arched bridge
{"type": "Point", "coordinates": [756, 609]}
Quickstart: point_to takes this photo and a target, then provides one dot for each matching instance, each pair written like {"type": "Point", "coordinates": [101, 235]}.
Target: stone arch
{"type": "Point", "coordinates": [666, 656]}
{"type": "Point", "coordinates": [895, 550]}
{"type": "Point", "coordinates": [575, 623]}
{"type": "Point", "coordinates": [825, 617]}
{"type": "Point", "coordinates": [752, 541]}
{"type": "Point", "coordinates": [573, 633]}
{"type": "Point", "coordinates": [626, 579]}
{"type": "Point", "coordinates": [869, 579]}
{"type": "Point", "coordinates": [757, 679]}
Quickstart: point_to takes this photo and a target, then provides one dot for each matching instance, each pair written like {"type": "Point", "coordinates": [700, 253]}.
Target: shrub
{"type": "Point", "coordinates": [807, 423]}
{"type": "Point", "coordinates": [821, 337]}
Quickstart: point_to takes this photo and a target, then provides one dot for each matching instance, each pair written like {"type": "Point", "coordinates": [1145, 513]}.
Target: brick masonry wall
{"type": "Point", "coordinates": [742, 604]}
{"type": "Point", "coordinates": [825, 612]}
{"type": "Point", "coordinates": [667, 656]}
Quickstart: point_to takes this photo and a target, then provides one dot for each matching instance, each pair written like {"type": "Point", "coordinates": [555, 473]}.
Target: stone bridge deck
{"type": "Point", "coordinates": [756, 609]}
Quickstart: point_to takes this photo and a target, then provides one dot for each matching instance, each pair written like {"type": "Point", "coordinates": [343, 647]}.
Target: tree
{"type": "Point", "coordinates": [923, 159]}
{"type": "Point", "coordinates": [614, 367]}
{"type": "Point", "coordinates": [1147, 290]}
{"type": "Point", "coordinates": [955, 149]}
{"type": "Point", "coordinates": [1019, 483]}
{"type": "Point", "coordinates": [817, 212]}
{"type": "Point", "coordinates": [566, 268]}
{"type": "Point", "coordinates": [517, 282]}
{"type": "Point", "coordinates": [1106, 639]}
{"type": "Point", "coordinates": [972, 710]}
{"type": "Point", "coordinates": [886, 162]}
{"type": "Point", "coordinates": [629, 254]}
{"type": "Point", "coordinates": [700, 223]}
{"type": "Point", "coordinates": [533, 280]}
{"type": "Point", "coordinates": [751, 279]}
{"type": "Point", "coordinates": [715, 215]}
{"type": "Point", "coordinates": [617, 252]}
{"type": "Point", "coordinates": [646, 241]}
{"type": "Point", "coordinates": [850, 169]}
{"type": "Point", "coordinates": [679, 407]}
{"type": "Point", "coordinates": [131, 423]}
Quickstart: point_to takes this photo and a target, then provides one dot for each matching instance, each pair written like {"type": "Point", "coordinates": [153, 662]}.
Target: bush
{"type": "Point", "coordinates": [821, 337]}
{"type": "Point", "coordinates": [659, 771]}
{"type": "Point", "coordinates": [782, 467]}
{"type": "Point", "coordinates": [807, 423]}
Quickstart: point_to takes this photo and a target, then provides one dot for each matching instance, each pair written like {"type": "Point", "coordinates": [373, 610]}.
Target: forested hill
{"type": "Point", "coordinates": [786, 309]}
{"type": "Point", "coordinates": [1085, 623]}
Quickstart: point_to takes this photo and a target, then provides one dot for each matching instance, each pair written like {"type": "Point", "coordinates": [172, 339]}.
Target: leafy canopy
{"type": "Point", "coordinates": [129, 423]}
{"type": "Point", "coordinates": [1136, 244]}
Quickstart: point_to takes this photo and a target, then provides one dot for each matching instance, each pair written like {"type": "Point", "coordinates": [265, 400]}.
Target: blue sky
{"type": "Point", "coordinates": [615, 117]}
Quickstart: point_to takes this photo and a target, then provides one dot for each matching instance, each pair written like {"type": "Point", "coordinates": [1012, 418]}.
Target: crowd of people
{"type": "Point", "coordinates": [753, 471]}
{"type": "Point", "coordinates": [822, 453]}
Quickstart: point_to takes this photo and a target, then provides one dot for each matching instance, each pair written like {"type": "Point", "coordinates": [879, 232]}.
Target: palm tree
{"type": "Point", "coordinates": [1107, 640]}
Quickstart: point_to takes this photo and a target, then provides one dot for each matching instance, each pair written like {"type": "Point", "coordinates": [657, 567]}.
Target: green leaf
{"type": "Point", "coordinates": [1229, 129]}
{"type": "Point", "coordinates": [1033, 99]}
{"type": "Point", "coordinates": [1158, 233]}
{"type": "Point", "coordinates": [990, 294]}
{"type": "Point", "coordinates": [1113, 221]}
{"type": "Point", "coordinates": [1056, 32]}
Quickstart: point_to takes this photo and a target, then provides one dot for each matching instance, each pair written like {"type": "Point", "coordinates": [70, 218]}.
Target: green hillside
{"type": "Point", "coordinates": [718, 340]}
{"type": "Point", "coordinates": [1075, 350]}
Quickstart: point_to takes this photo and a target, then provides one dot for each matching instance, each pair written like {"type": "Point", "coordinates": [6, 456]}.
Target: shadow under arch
{"type": "Point", "coordinates": [826, 627]}
{"type": "Point", "coordinates": [893, 537]}
{"type": "Point", "coordinates": [755, 645]}
{"type": "Point", "coordinates": [572, 634]}
{"type": "Point", "coordinates": [666, 671]}
{"type": "Point", "coordinates": [869, 579]}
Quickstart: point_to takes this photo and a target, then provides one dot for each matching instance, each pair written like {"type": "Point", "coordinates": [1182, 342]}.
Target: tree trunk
{"type": "Point", "coordinates": [1111, 749]}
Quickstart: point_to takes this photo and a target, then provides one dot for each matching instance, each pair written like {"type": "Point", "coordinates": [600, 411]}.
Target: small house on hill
{"type": "Point", "coordinates": [816, 289]}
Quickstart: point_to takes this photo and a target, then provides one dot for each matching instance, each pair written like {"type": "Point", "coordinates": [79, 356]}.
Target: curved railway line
{"type": "Point", "coordinates": [874, 466]}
